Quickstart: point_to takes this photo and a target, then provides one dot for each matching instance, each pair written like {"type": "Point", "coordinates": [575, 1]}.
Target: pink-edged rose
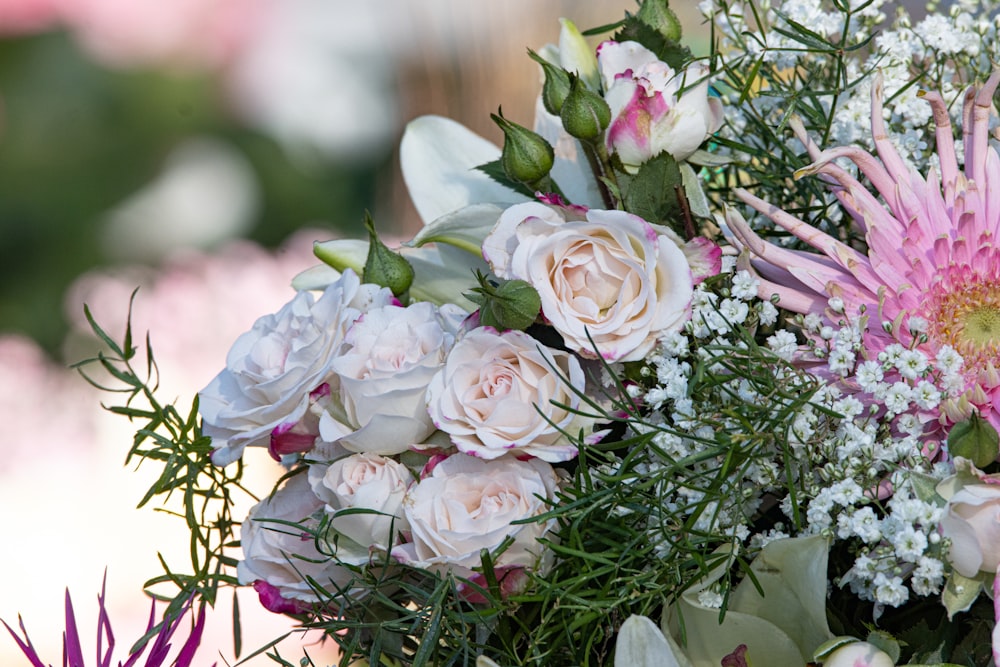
{"type": "Point", "coordinates": [653, 108]}
{"type": "Point", "coordinates": [274, 369]}
{"type": "Point", "coordinates": [498, 393]}
{"type": "Point", "coordinates": [368, 482]}
{"type": "Point", "coordinates": [467, 504]}
{"type": "Point", "coordinates": [971, 519]}
{"type": "Point", "coordinates": [278, 558]}
{"type": "Point", "coordinates": [612, 278]}
{"type": "Point", "coordinates": [387, 360]}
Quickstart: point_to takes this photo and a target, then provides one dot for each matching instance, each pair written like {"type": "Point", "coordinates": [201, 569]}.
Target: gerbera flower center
{"type": "Point", "coordinates": [967, 317]}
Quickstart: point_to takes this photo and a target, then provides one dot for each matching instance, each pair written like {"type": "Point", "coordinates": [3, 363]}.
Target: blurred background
{"type": "Point", "coordinates": [195, 149]}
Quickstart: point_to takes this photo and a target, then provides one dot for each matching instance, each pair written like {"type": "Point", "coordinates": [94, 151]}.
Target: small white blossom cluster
{"type": "Point", "coordinates": [901, 551]}
{"type": "Point", "coordinates": [947, 50]}
{"type": "Point", "coordinates": [834, 449]}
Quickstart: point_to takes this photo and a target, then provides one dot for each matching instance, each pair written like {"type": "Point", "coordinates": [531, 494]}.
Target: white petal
{"type": "Point", "coordinates": [439, 158]}
{"type": "Point", "coordinates": [641, 644]}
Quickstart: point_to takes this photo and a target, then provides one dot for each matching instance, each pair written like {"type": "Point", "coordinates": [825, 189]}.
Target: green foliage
{"type": "Point", "coordinates": [654, 192]}
{"type": "Point", "coordinates": [188, 485]}
{"type": "Point", "coordinates": [974, 439]}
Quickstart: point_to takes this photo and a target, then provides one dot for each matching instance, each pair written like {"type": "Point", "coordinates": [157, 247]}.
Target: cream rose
{"type": "Point", "coordinates": [272, 370]}
{"type": "Point", "coordinates": [278, 559]}
{"type": "Point", "coordinates": [498, 393]}
{"type": "Point", "coordinates": [612, 278]}
{"type": "Point", "coordinates": [387, 360]}
{"type": "Point", "coordinates": [972, 523]}
{"type": "Point", "coordinates": [467, 504]}
{"type": "Point", "coordinates": [363, 481]}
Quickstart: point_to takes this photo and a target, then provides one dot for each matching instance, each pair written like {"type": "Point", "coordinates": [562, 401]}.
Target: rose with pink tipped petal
{"type": "Point", "coordinates": [467, 504]}
{"type": "Point", "coordinates": [273, 370]}
{"type": "Point", "coordinates": [502, 393]}
{"type": "Point", "coordinates": [382, 371]}
{"type": "Point", "coordinates": [654, 109]}
{"type": "Point", "coordinates": [363, 481]}
{"type": "Point", "coordinates": [284, 557]}
{"type": "Point", "coordinates": [612, 280]}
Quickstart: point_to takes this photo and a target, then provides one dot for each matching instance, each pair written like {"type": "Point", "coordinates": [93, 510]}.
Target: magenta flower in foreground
{"type": "Point", "coordinates": [932, 268]}
{"type": "Point", "coordinates": [158, 644]}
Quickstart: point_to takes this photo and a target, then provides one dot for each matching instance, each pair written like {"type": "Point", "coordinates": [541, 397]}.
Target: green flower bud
{"type": "Point", "coordinates": [974, 439]}
{"type": "Point", "coordinates": [513, 304]}
{"type": "Point", "coordinates": [384, 267]}
{"type": "Point", "coordinates": [556, 86]}
{"type": "Point", "coordinates": [658, 15]}
{"type": "Point", "coordinates": [585, 114]}
{"type": "Point", "coordinates": [526, 156]}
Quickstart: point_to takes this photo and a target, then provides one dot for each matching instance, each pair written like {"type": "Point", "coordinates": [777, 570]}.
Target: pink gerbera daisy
{"type": "Point", "coordinates": [932, 267]}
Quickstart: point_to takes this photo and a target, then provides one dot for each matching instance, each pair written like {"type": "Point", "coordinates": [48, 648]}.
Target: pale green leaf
{"type": "Point", "coordinates": [959, 593]}
{"type": "Point", "coordinates": [695, 194]}
{"type": "Point", "coordinates": [465, 228]}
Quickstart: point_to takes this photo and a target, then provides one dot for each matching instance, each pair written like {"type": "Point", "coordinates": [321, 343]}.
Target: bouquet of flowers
{"type": "Point", "coordinates": [703, 369]}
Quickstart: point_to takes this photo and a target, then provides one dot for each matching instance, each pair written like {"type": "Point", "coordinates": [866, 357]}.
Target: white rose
{"type": "Point", "coordinates": [278, 559]}
{"type": "Point", "coordinates": [613, 278]}
{"type": "Point", "coordinates": [388, 358]}
{"type": "Point", "coordinates": [363, 481]}
{"type": "Point", "coordinates": [972, 522]}
{"type": "Point", "coordinates": [467, 504]}
{"type": "Point", "coordinates": [649, 115]}
{"type": "Point", "coordinates": [497, 394]}
{"type": "Point", "coordinates": [272, 369]}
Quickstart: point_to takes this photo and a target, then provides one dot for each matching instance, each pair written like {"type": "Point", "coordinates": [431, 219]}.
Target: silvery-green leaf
{"type": "Point", "coordinates": [959, 593]}
{"type": "Point", "coordinates": [465, 228]}
{"type": "Point", "coordinates": [438, 158]}
{"type": "Point", "coordinates": [695, 194]}
{"type": "Point", "coordinates": [705, 159]}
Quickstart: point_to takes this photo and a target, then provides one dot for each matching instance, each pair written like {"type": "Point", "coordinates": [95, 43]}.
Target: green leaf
{"type": "Point", "coordinates": [696, 198]}
{"type": "Point", "coordinates": [496, 171]}
{"type": "Point", "coordinates": [652, 192]}
{"type": "Point", "coordinates": [959, 593]}
{"type": "Point", "coordinates": [974, 439]}
{"type": "Point", "coordinates": [668, 50]}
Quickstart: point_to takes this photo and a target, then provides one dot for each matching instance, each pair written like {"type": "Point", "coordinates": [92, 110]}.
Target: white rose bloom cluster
{"type": "Point", "coordinates": [410, 433]}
